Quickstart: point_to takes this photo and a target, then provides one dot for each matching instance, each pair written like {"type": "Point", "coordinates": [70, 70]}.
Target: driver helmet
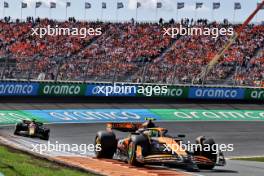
{"type": "Point", "coordinates": [148, 124]}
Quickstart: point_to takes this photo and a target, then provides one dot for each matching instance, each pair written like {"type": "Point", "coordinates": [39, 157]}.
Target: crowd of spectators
{"type": "Point", "coordinates": [253, 72]}
{"type": "Point", "coordinates": [188, 57]}
{"type": "Point", "coordinates": [130, 51]}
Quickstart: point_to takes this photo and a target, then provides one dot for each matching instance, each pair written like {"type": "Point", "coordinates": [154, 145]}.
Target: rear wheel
{"type": "Point", "coordinates": [211, 154]}
{"type": "Point", "coordinates": [17, 129]}
{"type": "Point", "coordinates": [108, 144]}
{"type": "Point", "coordinates": [137, 141]}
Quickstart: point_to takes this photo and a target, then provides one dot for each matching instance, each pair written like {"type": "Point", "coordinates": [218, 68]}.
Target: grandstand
{"type": "Point", "coordinates": [130, 52]}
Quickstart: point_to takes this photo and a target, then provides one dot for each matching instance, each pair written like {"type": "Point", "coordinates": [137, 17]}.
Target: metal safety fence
{"type": "Point", "coordinates": [105, 70]}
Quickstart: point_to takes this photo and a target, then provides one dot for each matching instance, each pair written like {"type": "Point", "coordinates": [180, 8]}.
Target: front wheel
{"type": "Point", "coordinates": [210, 154]}
{"type": "Point", "coordinates": [132, 156]}
{"type": "Point", "coordinates": [206, 167]}
{"type": "Point", "coordinates": [108, 143]}
{"type": "Point", "coordinates": [16, 132]}
{"type": "Point", "coordinates": [45, 136]}
{"type": "Point", "coordinates": [140, 144]}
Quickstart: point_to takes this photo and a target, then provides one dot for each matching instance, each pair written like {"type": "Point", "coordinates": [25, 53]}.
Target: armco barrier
{"type": "Point", "coordinates": [49, 89]}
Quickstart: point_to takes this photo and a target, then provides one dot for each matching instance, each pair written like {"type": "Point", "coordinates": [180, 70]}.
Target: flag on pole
{"type": "Point", "coordinates": [216, 5]}
{"type": "Point", "coordinates": [87, 5]}
{"type": "Point", "coordinates": [237, 6]}
{"type": "Point", "coordinates": [23, 5]}
{"type": "Point", "coordinates": [138, 4]}
{"type": "Point", "coordinates": [68, 4]}
{"type": "Point", "coordinates": [6, 5]}
{"type": "Point", "coordinates": [159, 5]}
{"type": "Point", "coordinates": [38, 4]}
{"type": "Point", "coordinates": [103, 5]}
{"type": "Point", "coordinates": [262, 8]}
{"type": "Point", "coordinates": [52, 5]}
{"type": "Point", "coordinates": [120, 5]}
{"type": "Point", "coordinates": [198, 5]}
{"type": "Point", "coordinates": [180, 5]}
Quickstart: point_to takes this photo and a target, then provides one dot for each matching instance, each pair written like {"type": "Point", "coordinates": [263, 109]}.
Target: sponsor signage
{"type": "Point", "coordinates": [254, 94]}
{"type": "Point", "coordinates": [111, 90]}
{"type": "Point", "coordinates": [216, 93]}
{"type": "Point", "coordinates": [62, 89]}
{"type": "Point", "coordinates": [177, 92]}
{"type": "Point", "coordinates": [208, 115]}
{"type": "Point", "coordinates": [18, 89]}
{"type": "Point", "coordinates": [163, 91]}
{"type": "Point", "coordinates": [12, 117]}
{"type": "Point", "coordinates": [93, 115]}
{"type": "Point", "coordinates": [128, 115]}
{"type": "Point", "coordinates": [128, 90]}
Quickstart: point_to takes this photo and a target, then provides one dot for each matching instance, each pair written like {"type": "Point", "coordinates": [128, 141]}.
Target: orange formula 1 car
{"type": "Point", "coordinates": [149, 144]}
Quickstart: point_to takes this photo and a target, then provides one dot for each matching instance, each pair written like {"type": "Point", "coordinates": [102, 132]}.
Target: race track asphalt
{"type": "Point", "coordinates": [247, 137]}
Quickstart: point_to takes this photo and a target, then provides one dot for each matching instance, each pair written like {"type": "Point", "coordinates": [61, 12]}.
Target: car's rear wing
{"type": "Point", "coordinates": [128, 126]}
{"type": "Point", "coordinates": [29, 122]}
{"type": "Point", "coordinates": [124, 127]}
{"type": "Point", "coordinates": [26, 121]}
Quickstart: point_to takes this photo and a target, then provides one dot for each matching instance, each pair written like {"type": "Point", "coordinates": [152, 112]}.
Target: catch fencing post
{"type": "Point", "coordinates": [174, 74]}
{"type": "Point", "coordinates": [114, 77]}
{"type": "Point", "coordinates": [32, 67]}
{"type": "Point", "coordinates": [58, 69]}
{"type": "Point", "coordinates": [205, 74]}
{"type": "Point", "coordinates": [235, 76]}
{"type": "Point", "coordinates": [144, 73]}
{"type": "Point", "coordinates": [86, 72]}
{"type": "Point", "coordinates": [4, 69]}
{"type": "Point", "coordinates": [164, 80]}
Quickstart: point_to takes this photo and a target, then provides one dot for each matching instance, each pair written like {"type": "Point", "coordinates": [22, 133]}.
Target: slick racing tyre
{"type": "Point", "coordinates": [132, 160]}
{"type": "Point", "coordinates": [137, 141]}
{"type": "Point", "coordinates": [107, 141]}
{"type": "Point", "coordinates": [45, 135]}
{"type": "Point", "coordinates": [211, 154]}
{"type": "Point", "coordinates": [17, 129]}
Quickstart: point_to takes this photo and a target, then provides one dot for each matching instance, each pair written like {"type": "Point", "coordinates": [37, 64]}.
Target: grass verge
{"type": "Point", "coordinates": [258, 159]}
{"type": "Point", "coordinates": [13, 163]}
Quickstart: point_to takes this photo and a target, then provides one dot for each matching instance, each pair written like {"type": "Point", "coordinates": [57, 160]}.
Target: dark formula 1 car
{"type": "Point", "coordinates": [148, 144]}
{"type": "Point", "coordinates": [32, 129]}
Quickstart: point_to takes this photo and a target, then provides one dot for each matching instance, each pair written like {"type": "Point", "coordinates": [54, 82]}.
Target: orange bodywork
{"type": "Point", "coordinates": [175, 147]}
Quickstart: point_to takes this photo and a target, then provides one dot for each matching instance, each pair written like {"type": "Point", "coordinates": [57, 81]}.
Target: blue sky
{"type": "Point", "coordinates": [145, 13]}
